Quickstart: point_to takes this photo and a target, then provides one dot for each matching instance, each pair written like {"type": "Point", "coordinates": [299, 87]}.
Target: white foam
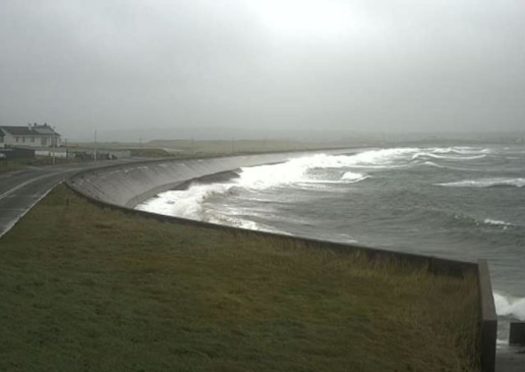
{"type": "Point", "coordinates": [190, 203]}
{"type": "Point", "coordinates": [490, 221]}
{"type": "Point", "coordinates": [184, 203]}
{"type": "Point", "coordinates": [236, 219]}
{"type": "Point", "coordinates": [462, 150]}
{"type": "Point", "coordinates": [435, 155]}
{"type": "Point", "coordinates": [380, 157]}
{"type": "Point", "coordinates": [296, 170]}
{"type": "Point", "coordinates": [306, 172]}
{"type": "Point", "coordinates": [354, 177]}
{"type": "Point", "coordinates": [501, 343]}
{"type": "Point", "coordinates": [487, 182]}
{"type": "Point", "coordinates": [236, 222]}
{"type": "Point", "coordinates": [456, 153]}
{"type": "Point", "coordinates": [432, 164]}
{"type": "Point", "coordinates": [509, 306]}
{"type": "Point", "coordinates": [299, 170]}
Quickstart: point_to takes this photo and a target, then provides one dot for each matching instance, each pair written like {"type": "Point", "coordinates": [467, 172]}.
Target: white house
{"type": "Point", "coordinates": [31, 135]}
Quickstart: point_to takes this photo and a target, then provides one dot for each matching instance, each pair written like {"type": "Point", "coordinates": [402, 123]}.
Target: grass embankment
{"type": "Point", "coordinates": [85, 288]}
{"type": "Point", "coordinates": [225, 147]}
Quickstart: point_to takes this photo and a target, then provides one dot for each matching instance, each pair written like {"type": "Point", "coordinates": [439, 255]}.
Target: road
{"type": "Point", "coordinates": [21, 190]}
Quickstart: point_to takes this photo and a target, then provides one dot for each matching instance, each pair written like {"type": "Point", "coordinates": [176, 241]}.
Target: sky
{"type": "Point", "coordinates": [262, 68]}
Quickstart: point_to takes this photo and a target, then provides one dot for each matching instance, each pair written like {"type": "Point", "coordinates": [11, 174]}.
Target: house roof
{"type": "Point", "coordinates": [17, 130]}
{"type": "Point", "coordinates": [43, 129]}
{"type": "Point", "coordinates": [29, 130]}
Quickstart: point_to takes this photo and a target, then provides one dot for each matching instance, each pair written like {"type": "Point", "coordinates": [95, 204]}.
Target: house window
{"type": "Point", "coordinates": [17, 139]}
{"type": "Point", "coordinates": [32, 139]}
{"type": "Point", "coordinates": [23, 139]}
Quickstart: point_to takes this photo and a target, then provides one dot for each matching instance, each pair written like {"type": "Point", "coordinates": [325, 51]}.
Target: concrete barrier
{"type": "Point", "coordinates": [131, 184]}
{"type": "Point", "coordinates": [489, 320]}
{"type": "Point", "coordinates": [121, 187]}
{"type": "Point", "coordinates": [517, 333]}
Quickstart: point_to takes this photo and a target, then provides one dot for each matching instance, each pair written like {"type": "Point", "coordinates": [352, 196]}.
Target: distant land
{"type": "Point", "coordinates": [307, 135]}
{"type": "Point", "coordinates": [226, 138]}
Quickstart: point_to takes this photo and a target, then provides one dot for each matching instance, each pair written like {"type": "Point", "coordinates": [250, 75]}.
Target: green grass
{"type": "Point", "coordinates": [225, 147]}
{"type": "Point", "coordinates": [149, 153]}
{"type": "Point", "coordinates": [86, 288]}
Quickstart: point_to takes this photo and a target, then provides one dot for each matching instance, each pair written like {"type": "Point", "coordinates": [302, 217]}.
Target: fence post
{"type": "Point", "coordinates": [489, 321]}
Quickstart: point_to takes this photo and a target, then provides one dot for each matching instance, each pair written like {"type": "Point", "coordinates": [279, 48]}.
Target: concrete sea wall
{"type": "Point", "coordinates": [130, 184]}
{"type": "Point", "coordinates": [124, 186]}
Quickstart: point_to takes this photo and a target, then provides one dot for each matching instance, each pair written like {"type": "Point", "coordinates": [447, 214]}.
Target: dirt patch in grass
{"type": "Point", "coordinates": [86, 288]}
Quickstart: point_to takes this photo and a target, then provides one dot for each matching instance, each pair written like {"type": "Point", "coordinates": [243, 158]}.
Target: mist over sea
{"type": "Point", "coordinates": [462, 202]}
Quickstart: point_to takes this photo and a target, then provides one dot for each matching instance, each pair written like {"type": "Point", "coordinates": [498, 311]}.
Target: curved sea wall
{"type": "Point", "coordinates": [124, 186]}
{"type": "Point", "coordinates": [130, 184]}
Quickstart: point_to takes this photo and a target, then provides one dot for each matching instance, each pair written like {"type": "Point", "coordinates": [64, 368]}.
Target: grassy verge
{"type": "Point", "coordinates": [85, 288]}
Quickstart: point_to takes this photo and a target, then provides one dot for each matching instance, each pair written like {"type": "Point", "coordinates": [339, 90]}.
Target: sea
{"type": "Point", "coordinates": [459, 202]}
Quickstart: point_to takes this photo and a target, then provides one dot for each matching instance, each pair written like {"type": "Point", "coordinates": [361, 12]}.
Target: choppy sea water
{"type": "Point", "coordinates": [461, 202]}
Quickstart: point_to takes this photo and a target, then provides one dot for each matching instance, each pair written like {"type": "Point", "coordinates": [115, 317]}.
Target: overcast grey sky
{"type": "Point", "coordinates": [270, 65]}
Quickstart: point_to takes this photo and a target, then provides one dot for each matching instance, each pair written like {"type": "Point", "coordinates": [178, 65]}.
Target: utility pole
{"type": "Point", "coordinates": [95, 151]}
{"type": "Point", "coordinates": [54, 145]}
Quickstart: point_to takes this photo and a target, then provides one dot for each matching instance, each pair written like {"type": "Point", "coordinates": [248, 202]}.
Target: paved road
{"type": "Point", "coordinates": [21, 190]}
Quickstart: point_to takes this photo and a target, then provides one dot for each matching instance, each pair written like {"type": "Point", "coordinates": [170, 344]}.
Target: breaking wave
{"type": "Point", "coordinates": [190, 203]}
{"type": "Point", "coordinates": [446, 157]}
{"type": "Point", "coordinates": [462, 150]}
{"type": "Point", "coordinates": [184, 203]}
{"type": "Point", "coordinates": [509, 306]}
{"type": "Point", "coordinates": [309, 172]}
{"type": "Point", "coordinates": [487, 182]}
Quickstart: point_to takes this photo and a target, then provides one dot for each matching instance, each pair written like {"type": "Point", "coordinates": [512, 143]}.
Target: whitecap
{"type": "Point", "coordinates": [462, 150]}
{"type": "Point", "coordinates": [432, 164]}
{"type": "Point", "coordinates": [446, 157]}
{"type": "Point", "coordinates": [353, 177]}
{"type": "Point", "coordinates": [487, 182]}
{"type": "Point", "coordinates": [490, 221]}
